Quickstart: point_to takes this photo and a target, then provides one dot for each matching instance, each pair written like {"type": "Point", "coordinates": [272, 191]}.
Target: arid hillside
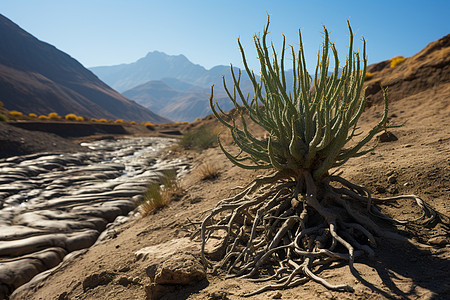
{"type": "Point", "coordinates": [428, 70]}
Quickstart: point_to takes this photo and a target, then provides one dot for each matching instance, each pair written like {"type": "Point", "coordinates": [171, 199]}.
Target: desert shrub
{"type": "Point", "coordinates": [80, 119]}
{"type": "Point", "coordinates": [149, 124]}
{"type": "Point", "coordinates": [286, 223]}
{"type": "Point", "coordinates": [3, 118]}
{"type": "Point", "coordinates": [94, 120]}
{"type": "Point", "coordinates": [199, 138]}
{"type": "Point", "coordinates": [43, 117]}
{"type": "Point", "coordinates": [159, 194]}
{"type": "Point", "coordinates": [368, 76]}
{"type": "Point", "coordinates": [54, 116]}
{"type": "Point", "coordinates": [71, 117]}
{"type": "Point", "coordinates": [207, 171]}
{"type": "Point", "coordinates": [32, 115]}
{"type": "Point", "coordinates": [132, 123]}
{"type": "Point", "coordinates": [119, 121]}
{"type": "Point", "coordinates": [103, 121]}
{"type": "Point", "coordinates": [15, 113]}
{"type": "Point", "coordinates": [396, 61]}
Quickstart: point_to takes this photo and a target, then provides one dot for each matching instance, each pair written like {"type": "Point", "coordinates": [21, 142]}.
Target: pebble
{"type": "Point", "coordinates": [52, 204]}
{"type": "Point", "coordinates": [277, 295]}
{"type": "Point", "coordinates": [392, 179]}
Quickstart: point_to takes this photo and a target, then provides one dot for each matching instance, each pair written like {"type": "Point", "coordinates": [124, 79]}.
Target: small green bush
{"type": "Point", "coordinates": [199, 138]}
{"type": "Point", "coordinates": [3, 118]}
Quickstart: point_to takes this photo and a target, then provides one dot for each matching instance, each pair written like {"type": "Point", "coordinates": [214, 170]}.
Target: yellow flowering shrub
{"type": "Point", "coordinates": [396, 61]}
{"type": "Point", "coordinates": [54, 116]}
{"type": "Point", "coordinates": [15, 113]}
{"type": "Point", "coordinates": [368, 76]}
{"type": "Point", "coordinates": [71, 117]}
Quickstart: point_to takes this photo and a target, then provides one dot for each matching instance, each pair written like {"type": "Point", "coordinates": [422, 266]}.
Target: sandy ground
{"type": "Point", "coordinates": [420, 161]}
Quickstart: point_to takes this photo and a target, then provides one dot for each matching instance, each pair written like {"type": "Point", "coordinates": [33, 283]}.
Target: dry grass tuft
{"type": "Point", "coordinates": [207, 171]}
{"type": "Point", "coordinates": [159, 194]}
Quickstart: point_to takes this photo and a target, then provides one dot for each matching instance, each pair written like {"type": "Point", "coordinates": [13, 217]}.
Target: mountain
{"type": "Point", "coordinates": [176, 100]}
{"type": "Point", "coordinates": [157, 66]}
{"type": "Point", "coordinates": [154, 66]}
{"type": "Point", "coordinates": [36, 77]}
{"type": "Point", "coordinates": [171, 85]}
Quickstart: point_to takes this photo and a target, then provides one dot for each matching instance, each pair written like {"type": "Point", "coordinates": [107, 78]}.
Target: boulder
{"type": "Point", "coordinates": [173, 265]}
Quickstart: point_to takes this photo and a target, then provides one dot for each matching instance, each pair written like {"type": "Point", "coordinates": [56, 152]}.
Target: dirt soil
{"type": "Point", "coordinates": [418, 162]}
{"type": "Point", "coordinates": [16, 141]}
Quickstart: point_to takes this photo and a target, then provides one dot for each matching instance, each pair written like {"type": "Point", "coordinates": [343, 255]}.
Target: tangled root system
{"type": "Point", "coordinates": [281, 233]}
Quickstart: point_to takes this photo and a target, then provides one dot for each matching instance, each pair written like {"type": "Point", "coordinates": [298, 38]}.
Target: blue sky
{"type": "Point", "coordinates": [109, 32]}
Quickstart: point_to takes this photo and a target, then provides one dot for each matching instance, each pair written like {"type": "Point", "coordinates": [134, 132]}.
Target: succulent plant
{"type": "Point", "coordinates": [308, 127]}
{"type": "Point", "coordinates": [299, 216]}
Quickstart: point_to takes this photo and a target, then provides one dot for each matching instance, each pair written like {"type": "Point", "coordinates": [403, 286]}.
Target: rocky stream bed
{"type": "Point", "coordinates": [55, 204]}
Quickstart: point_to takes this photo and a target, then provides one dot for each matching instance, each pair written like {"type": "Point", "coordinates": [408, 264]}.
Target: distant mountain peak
{"type": "Point", "coordinates": [162, 55]}
{"type": "Point", "coordinates": [154, 66]}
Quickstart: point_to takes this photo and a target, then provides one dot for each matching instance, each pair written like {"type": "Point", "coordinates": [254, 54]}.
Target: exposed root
{"type": "Point", "coordinates": [282, 232]}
